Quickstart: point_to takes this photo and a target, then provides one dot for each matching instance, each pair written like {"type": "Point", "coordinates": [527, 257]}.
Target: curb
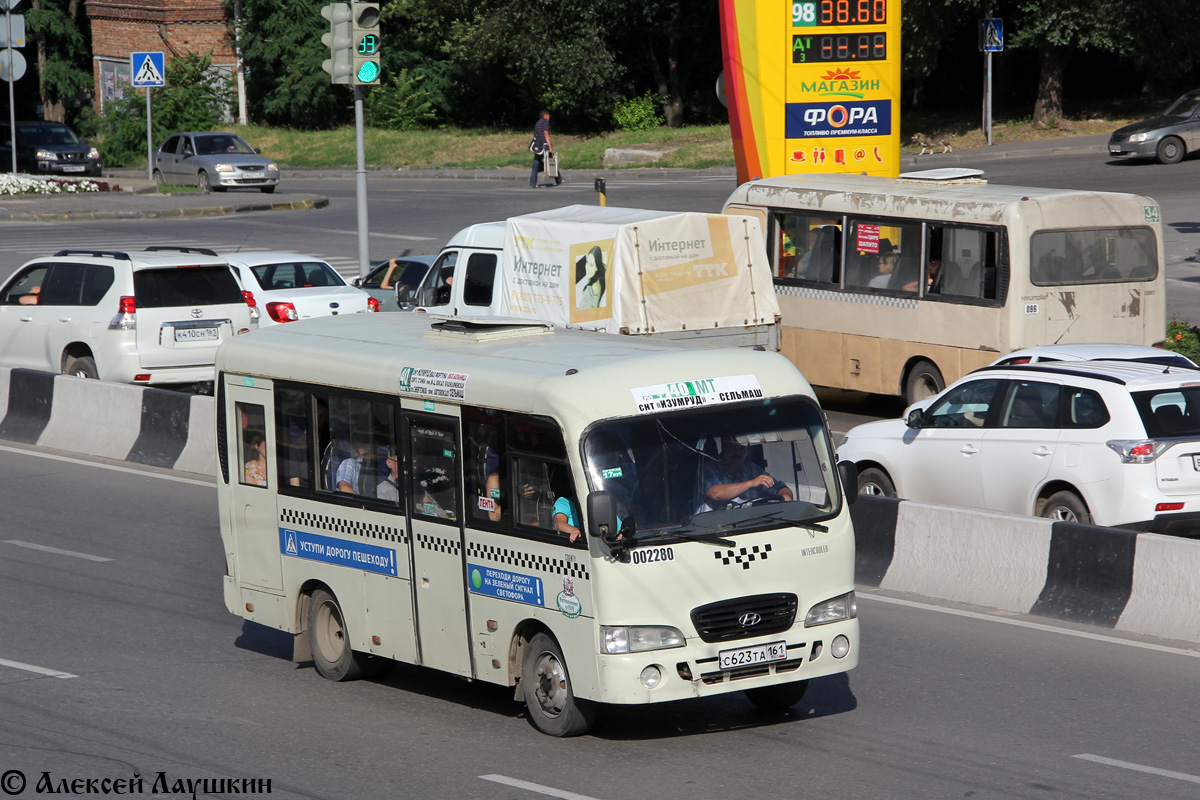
{"type": "Point", "coordinates": [164, 213]}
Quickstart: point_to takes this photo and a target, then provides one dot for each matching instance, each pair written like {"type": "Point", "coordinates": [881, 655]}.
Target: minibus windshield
{"type": "Point", "coordinates": [722, 470]}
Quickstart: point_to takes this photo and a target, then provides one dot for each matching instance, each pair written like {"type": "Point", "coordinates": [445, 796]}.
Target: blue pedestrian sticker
{"type": "Point", "coordinates": [506, 585]}
{"type": "Point", "coordinates": [343, 553]}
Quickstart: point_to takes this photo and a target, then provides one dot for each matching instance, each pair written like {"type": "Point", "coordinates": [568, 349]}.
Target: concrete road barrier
{"type": "Point", "coordinates": [112, 420]}
{"type": "Point", "coordinates": [1115, 579]}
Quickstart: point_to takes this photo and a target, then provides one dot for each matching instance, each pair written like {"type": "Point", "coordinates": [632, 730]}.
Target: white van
{"type": "Point", "coordinates": [618, 270]}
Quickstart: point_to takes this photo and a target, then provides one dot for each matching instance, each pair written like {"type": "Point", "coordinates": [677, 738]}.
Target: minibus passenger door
{"type": "Point", "coordinates": [434, 499]}
{"type": "Point", "coordinates": [252, 480]}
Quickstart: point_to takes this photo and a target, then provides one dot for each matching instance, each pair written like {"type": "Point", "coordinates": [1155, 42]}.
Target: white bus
{"type": "Point", "coordinates": [590, 519]}
{"type": "Point", "coordinates": [902, 285]}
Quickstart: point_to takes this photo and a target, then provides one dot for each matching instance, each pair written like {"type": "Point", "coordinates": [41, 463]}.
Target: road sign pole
{"type": "Point", "coordinates": [149, 140]}
{"type": "Point", "coordinates": [987, 96]}
{"type": "Point", "coordinates": [12, 111]}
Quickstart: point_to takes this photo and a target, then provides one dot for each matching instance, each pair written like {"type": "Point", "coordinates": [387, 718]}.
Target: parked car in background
{"type": "Point", "coordinates": [149, 317]}
{"type": "Point", "coordinates": [291, 286]}
{"type": "Point", "coordinates": [1168, 138]}
{"type": "Point", "coordinates": [1094, 351]}
{"type": "Point", "coordinates": [1106, 442]}
{"type": "Point", "coordinates": [48, 148]}
{"type": "Point", "coordinates": [214, 162]}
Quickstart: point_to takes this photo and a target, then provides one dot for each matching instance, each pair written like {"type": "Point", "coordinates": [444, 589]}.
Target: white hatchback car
{"type": "Point", "coordinates": [1102, 442]}
{"type": "Point", "coordinates": [291, 286]}
{"type": "Point", "coordinates": [151, 317]}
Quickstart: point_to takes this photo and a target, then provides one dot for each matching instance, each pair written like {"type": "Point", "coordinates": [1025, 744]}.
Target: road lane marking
{"type": "Point", "coordinates": [113, 467]}
{"type": "Point", "coordinates": [1037, 626]}
{"type": "Point", "coordinates": [49, 673]}
{"type": "Point", "coordinates": [55, 550]}
{"type": "Point", "coordinates": [1112, 762]}
{"type": "Point", "coordinates": [536, 787]}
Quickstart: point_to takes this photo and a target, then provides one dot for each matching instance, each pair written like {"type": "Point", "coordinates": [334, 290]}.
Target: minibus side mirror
{"type": "Point", "coordinates": [849, 475]}
{"type": "Point", "coordinates": [404, 297]}
{"type": "Point", "coordinates": [916, 418]}
{"type": "Point", "coordinates": [602, 516]}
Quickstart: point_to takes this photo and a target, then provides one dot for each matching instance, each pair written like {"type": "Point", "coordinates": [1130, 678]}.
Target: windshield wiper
{"type": "Point", "coordinates": [709, 537]}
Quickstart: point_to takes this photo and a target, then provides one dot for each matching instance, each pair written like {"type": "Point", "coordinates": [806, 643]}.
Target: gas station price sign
{"type": "Point", "coordinates": [813, 85]}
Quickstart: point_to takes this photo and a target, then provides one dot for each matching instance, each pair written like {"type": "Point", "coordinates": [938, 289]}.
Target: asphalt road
{"type": "Point", "coordinates": [118, 657]}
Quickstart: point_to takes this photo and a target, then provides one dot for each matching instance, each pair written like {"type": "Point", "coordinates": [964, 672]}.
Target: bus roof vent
{"type": "Point", "coordinates": [485, 329]}
{"type": "Point", "coordinates": [944, 176]}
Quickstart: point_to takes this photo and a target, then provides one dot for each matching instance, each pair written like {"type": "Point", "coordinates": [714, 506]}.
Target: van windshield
{"type": "Point", "coordinates": [728, 469]}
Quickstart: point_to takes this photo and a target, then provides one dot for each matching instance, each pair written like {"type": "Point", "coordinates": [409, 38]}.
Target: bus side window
{"type": "Point", "coordinates": [541, 474]}
{"type": "Point", "coordinates": [433, 484]}
{"type": "Point", "coordinates": [487, 472]}
{"type": "Point", "coordinates": [292, 438]}
{"type": "Point", "coordinates": [252, 444]}
{"type": "Point", "coordinates": [355, 446]}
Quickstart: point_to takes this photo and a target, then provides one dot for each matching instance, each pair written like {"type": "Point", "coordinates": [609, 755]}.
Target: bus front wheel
{"type": "Point", "coordinates": [546, 685]}
{"type": "Point", "coordinates": [777, 698]}
{"type": "Point", "coordinates": [331, 652]}
{"type": "Point", "coordinates": [924, 380]}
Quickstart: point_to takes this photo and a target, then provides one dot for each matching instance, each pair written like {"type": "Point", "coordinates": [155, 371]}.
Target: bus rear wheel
{"type": "Point", "coordinates": [329, 641]}
{"type": "Point", "coordinates": [924, 380]}
{"type": "Point", "coordinates": [777, 698]}
{"type": "Point", "coordinates": [546, 686]}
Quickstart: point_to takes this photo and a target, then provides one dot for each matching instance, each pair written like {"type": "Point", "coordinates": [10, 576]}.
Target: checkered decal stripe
{"type": "Point", "coordinates": [437, 544]}
{"type": "Point", "coordinates": [346, 527]}
{"type": "Point", "coordinates": [846, 297]}
{"type": "Point", "coordinates": [744, 556]}
{"type": "Point", "coordinates": [500, 555]}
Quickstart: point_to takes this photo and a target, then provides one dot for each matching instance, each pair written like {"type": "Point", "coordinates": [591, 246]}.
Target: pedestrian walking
{"type": "Point", "coordinates": [542, 147]}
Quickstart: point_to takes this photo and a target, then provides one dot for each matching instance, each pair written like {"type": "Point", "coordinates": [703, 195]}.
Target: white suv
{"type": "Point", "coordinates": [153, 317]}
{"type": "Point", "coordinates": [1105, 442]}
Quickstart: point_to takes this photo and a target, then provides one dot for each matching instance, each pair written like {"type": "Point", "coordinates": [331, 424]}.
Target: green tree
{"type": "Point", "coordinates": [1057, 28]}
{"type": "Point", "coordinates": [64, 68]}
{"type": "Point", "coordinates": [282, 50]}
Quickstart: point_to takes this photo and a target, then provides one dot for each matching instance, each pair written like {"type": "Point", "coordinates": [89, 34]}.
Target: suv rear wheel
{"type": "Point", "coordinates": [82, 367]}
{"type": "Point", "coordinates": [1065, 507]}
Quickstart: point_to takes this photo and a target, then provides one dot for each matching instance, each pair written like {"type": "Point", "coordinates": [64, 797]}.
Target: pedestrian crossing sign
{"type": "Point", "coordinates": [147, 70]}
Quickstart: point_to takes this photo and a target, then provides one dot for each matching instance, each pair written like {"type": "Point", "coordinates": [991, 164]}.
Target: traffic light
{"type": "Point", "coordinates": [366, 44]}
{"type": "Point", "coordinates": [340, 41]}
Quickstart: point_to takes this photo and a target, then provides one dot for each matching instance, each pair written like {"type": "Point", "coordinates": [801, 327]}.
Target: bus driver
{"type": "Point", "coordinates": [735, 480]}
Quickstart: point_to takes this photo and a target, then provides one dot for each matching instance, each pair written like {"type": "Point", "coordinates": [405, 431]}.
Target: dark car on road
{"type": "Point", "coordinates": [214, 162]}
{"type": "Point", "coordinates": [1168, 138]}
{"type": "Point", "coordinates": [48, 148]}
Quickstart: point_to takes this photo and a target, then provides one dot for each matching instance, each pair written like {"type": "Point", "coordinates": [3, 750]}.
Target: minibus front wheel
{"type": "Point", "coordinates": [549, 696]}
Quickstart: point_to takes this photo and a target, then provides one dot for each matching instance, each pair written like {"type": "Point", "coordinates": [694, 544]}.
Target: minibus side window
{"type": "Point", "coordinates": [433, 482]}
{"type": "Point", "coordinates": [883, 255]}
{"type": "Point", "coordinates": [292, 438]}
{"type": "Point", "coordinates": [487, 472]}
{"type": "Point", "coordinates": [541, 477]}
{"type": "Point", "coordinates": [252, 444]}
{"type": "Point", "coordinates": [355, 442]}
{"type": "Point", "coordinates": [961, 263]}
{"type": "Point", "coordinates": [1093, 256]}
{"type": "Point", "coordinates": [807, 248]}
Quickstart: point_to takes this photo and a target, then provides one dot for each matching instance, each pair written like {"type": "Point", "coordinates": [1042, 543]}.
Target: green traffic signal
{"type": "Point", "coordinates": [368, 72]}
{"type": "Point", "coordinates": [365, 17]}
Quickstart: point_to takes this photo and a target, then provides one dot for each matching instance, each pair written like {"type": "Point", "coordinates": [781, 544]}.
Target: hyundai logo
{"type": "Point", "coordinates": [749, 619]}
{"type": "Point", "coordinates": [197, 313]}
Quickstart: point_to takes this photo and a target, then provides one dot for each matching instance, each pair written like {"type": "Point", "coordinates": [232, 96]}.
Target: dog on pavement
{"type": "Point", "coordinates": [930, 142]}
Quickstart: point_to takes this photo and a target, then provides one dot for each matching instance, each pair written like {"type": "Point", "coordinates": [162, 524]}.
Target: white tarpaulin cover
{"type": "Point", "coordinates": [622, 270]}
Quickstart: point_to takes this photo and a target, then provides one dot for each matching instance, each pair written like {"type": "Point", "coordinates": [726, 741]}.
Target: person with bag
{"type": "Point", "coordinates": [542, 147]}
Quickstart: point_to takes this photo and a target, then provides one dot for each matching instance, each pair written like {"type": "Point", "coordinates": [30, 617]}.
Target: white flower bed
{"type": "Point", "coordinates": [28, 184]}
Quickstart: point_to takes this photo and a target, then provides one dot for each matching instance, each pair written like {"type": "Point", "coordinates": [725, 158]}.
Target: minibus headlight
{"type": "Point", "coordinates": [616, 639]}
{"type": "Point", "coordinates": [835, 610]}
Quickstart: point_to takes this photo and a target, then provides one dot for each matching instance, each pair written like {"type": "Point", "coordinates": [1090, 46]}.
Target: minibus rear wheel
{"type": "Point", "coordinates": [777, 698]}
{"type": "Point", "coordinates": [924, 380]}
{"type": "Point", "coordinates": [329, 639]}
{"type": "Point", "coordinates": [549, 697]}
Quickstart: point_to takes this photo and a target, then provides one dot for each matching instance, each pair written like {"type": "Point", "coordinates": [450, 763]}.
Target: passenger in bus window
{"type": "Point", "coordinates": [389, 488]}
{"type": "Point", "coordinates": [887, 263]}
{"type": "Point", "coordinates": [256, 465]}
{"type": "Point", "coordinates": [350, 468]}
{"type": "Point", "coordinates": [566, 517]}
{"type": "Point", "coordinates": [733, 479]}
